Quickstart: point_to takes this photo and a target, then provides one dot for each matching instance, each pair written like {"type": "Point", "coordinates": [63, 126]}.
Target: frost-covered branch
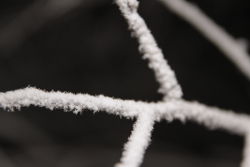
{"type": "Point", "coordinates": [173, 107]}
{"type": "Point", "coordinates": [182, 110]}
{"type": "Point", "coordinates": [211, 117]}
{"type": "Point", "coordinates": [231, 47]}
{"type": "Point", "coordinates": [68, 102]}
{"type": "Point", "coordinates": [139, 140]}
{"type": "Point", "coordinates": [246, 154]}
{"type": "Point", "coordinates": [146, 114]}
{"type": "Point", "coordinates": [169, 86]}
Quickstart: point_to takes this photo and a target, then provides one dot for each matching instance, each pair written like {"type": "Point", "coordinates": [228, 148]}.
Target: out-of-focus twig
{"type": "Point", "coordinates": [5, 161]}
{"type": "Point", "coordinates": [234, 49]}
{"type": "Point", "coordinates": [35, 17]}
{"type": "Point", "coordinates": [21, 131]}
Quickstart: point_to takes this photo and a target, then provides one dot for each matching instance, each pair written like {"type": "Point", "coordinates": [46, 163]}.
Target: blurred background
{"type": "Point", "coordinates": [83, 46]}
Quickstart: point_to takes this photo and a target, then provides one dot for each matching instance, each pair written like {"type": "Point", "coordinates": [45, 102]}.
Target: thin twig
{"type": "Point", "coordinates": [179, 109]}
{"type": "Point", "coordinates": [173, 107]}
{"type": "Point", "coordinates": [246, 155]}
{"type": "Point", "coordinates": [231, 47]}
{"type": "Point", "coordinates": [138, 142]}
{"type": "Point", "coordinates": [165, 76]}
{"type": "Point", "coordinates": [33, 18]}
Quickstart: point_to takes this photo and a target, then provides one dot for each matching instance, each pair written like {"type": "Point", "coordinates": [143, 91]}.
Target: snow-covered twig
{"type": "Point", "coordinates": [231, 47]}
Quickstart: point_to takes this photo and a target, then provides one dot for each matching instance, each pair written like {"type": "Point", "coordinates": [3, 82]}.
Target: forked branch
{"type": "Point", "coordinates": [172, 107]}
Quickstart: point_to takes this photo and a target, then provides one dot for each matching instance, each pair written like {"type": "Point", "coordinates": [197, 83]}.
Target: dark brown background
{"type": "Point", "coordinates": [88, 49]}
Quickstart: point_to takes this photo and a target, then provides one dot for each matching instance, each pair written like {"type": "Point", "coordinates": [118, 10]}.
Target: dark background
{"type": "Point", "coordinates": [85, 47]}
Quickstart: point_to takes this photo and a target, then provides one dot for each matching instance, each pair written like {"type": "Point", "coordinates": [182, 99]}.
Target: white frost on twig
{"type": "Point", "coordinates": [67, 101]}
{"type": "Point", "coordinates": [169, 86]}
{"type": "Point", "coordinates": [139, 140]}
{"type": "Point", "coordinates": [211, 117]}
{"type": "Point", "coordinates": [173, 107]}
{"type": "Point", "coordinates": [246, 154]}
{"type": "Point", "coordinates": [213, 32]}
{"type": "Point", "coordinates": [178, 109]}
